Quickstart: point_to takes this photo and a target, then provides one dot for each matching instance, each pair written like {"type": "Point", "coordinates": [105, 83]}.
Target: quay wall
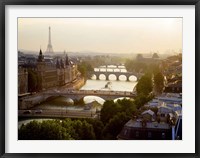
{"type": "Point", "coordinates": [78, 84]}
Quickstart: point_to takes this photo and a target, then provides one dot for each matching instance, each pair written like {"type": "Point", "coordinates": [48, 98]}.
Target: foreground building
{"type": "Point", "coordinates": [163, 122]}
{"type": "Point", "coordinates": [140, 130]}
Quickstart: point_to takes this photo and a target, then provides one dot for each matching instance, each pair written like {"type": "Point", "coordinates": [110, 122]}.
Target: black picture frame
{"type": "Point", "coordinates": [4, 3]}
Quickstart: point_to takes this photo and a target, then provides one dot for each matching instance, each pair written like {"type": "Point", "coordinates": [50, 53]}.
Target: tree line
{"type": "Point", "coordinates": [151, 81]}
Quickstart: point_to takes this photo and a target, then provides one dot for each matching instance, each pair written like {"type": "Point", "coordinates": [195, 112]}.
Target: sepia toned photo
{"type": "Point", "coordinates": [100, 78]}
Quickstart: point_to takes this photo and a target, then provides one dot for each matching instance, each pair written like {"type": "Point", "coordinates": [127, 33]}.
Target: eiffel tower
{"type": "Point", "coordinates": [49, 50]}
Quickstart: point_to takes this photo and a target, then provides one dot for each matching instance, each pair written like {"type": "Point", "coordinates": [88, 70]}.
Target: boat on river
{"type": "Point", "coordinates": [108, 85]}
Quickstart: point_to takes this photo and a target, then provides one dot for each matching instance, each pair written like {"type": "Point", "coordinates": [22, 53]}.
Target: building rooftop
{"type": "Point", "coordinates": [148, 112]}
{"type": "Point", "coordinates": [153, 125]}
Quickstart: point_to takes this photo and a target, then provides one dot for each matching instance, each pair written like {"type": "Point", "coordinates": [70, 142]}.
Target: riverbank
{"type": "Point", "coordinates": [74, 85]}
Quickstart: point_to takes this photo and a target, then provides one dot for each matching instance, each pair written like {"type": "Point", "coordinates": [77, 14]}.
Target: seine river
{"type": "Point", "coordinates": [91, 84]}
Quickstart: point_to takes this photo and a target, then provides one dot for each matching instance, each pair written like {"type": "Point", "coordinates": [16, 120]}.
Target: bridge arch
{"type": "Point", "coordinates": [60, 99]}
{"type": "Point", "coordinates": [133, 78]}
{"type": "Point", "coordinates": [49, 98]}
{"type": "Point", "coordinates": [92, 98]}
{"type": "Point", "coordinates": [93, 77]}
{"type": "Point", "coordinates": [112, 75]}
{"type": "Point", "coordinates": [121, 98]}
{"type": "Point", "coordinates": [102, 76]}
{"type": "Point", "coordinates": [120, 77]}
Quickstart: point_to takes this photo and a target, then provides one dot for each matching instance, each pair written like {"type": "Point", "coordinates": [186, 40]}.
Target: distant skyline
{"type": "Point", "coordinates": [105, 35]}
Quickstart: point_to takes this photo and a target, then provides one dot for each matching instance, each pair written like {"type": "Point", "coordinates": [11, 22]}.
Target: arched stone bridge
{"type": "Point", "coordinates": [106, 95]}
{"type": "Point", "coordinates": [32, 100]}
{"type": "Point", "coordinates": [117, 74]}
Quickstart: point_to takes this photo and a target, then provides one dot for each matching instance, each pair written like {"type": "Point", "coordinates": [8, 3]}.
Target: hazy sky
{"type": "Point", "coordinates": [108, 35]}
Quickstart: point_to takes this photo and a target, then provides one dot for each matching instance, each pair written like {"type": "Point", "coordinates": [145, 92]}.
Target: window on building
{"type": "Point", "coordinates": [162, 115]}
{"type": "Point", "coordinates": [149, 134]}
{"type": "Point", "coordinates": [137, 134]}
{"type": "Point", "coordinates": [163, 135]}
{"type": "Point", "coordinates": [125, 131]}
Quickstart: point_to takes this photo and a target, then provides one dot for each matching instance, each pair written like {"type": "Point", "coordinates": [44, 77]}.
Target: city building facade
{"type": "Point", "coordinates": [49, 73]}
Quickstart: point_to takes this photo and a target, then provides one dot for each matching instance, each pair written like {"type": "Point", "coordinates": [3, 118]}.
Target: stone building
{"type": "Point", "coordinates": [50, 74]}
{"type": "Point", "coordinates": [59, 74]}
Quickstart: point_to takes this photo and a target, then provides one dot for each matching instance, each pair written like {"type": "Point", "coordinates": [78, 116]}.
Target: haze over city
{"type": "Point", "coordinates": [106, 35]}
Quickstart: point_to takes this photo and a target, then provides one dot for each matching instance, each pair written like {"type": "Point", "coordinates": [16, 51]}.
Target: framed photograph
{"type": "Point", "coordinates": [99, 78]}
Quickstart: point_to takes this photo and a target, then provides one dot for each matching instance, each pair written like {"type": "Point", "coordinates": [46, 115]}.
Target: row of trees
{"type": "Point", "coordinates": [114, 115]}
{"type": "Point", "coordinates": [132, 65]}
{"type": "Point", "coordinates": [84, 68]}
{"type": "Point", "coordinates": [61, 130]}
{"type": "Point", "coordinates": [150, 82]}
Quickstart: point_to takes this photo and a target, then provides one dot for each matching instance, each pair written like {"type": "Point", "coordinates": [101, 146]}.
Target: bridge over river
{"type": "Point", "coordinates": [32, 100]}
{"type": "Point", "coordinates": [117, 74]}
{"type": "Point", "coordinates": [116, 70]}
{"type": "Point", "coordinates": [78, 94]}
